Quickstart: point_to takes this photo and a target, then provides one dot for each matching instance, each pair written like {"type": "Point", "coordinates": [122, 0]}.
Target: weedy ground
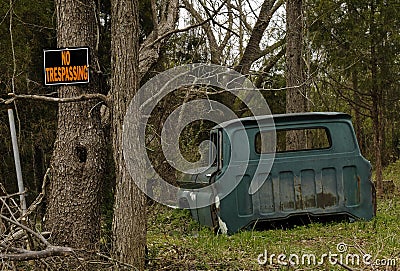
{"type": "Point", "coordinates": [176, 242]}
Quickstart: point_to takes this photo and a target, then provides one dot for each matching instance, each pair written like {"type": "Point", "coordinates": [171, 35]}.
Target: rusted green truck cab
{"type": "Point", "coordinates": [325, 175]}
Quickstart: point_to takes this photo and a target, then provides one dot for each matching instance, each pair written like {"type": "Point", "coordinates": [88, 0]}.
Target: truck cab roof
{"type": "Point", "coordinates": [283, 118]}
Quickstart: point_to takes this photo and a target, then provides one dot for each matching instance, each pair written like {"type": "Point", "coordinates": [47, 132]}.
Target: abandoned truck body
{"type": "Point", "coordinates": [327, 176]}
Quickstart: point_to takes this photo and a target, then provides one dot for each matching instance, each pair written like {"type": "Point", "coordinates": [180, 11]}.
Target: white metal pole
{"type": "Point", "coordinates": [21, 188]}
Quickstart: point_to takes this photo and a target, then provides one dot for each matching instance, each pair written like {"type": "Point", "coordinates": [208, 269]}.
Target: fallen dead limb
{"type": "Point", "coordinates": [12, 245]}
{"type": "Point", "coordinates": [40, 197]}
{"type": "Point", "coordinates": [114, 260]}
{"type": "Point", "coordinates": [37, 235]}
{"type": "Point", "coordinates": [50, 251]}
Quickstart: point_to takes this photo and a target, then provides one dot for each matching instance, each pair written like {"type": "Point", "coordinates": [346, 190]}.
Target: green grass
{"type": "Point", "coordinates": [176, 242]}
{"type": "Point", "coordinates": [392, 172]}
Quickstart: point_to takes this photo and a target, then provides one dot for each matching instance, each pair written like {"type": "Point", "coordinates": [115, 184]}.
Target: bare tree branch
{"type": "Point", "coordinates": [40, 197]}
{"type": "Point", "coordinates": [154, 16]}
{"type": "Point", "coordinates": [13, 253]}
{"type": "Point", "coordinates": [253, 51]}
{"type": "Point", "coordinates": [270, 49]}
{"type": "Point", "coordinates": [149, 49]}
{"type": "Point", "coordinates": [222, 25]}
{"type": "Point", "coordinates": [114, 260]}
{"type": "Point", "coordinates": [37, 235]}
{"type": "Point", "coordinates": [215, 50]}
{"type": "Point", "coordinates": [174, 31]}
{"type": "Point", "coordinates": [268, 66]}
{"type": "Point", "coordinates": [83, 97]}
{"type": "Point", "coordinates": [50, 251]}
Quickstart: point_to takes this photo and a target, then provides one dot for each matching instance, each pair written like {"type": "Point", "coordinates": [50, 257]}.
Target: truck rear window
{"type": "Point", "coordinates": [309, 138]}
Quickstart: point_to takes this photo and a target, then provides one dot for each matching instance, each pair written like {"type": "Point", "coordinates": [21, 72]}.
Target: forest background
{"type": "Point", "coordinates": [348, 61]}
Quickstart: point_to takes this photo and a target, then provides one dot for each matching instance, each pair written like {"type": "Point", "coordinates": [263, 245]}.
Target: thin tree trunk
{"type": "Point", "coordinates": [77, 165]}
{"type": "Point", "coordinates": [377, 126]}
{"type": "Point", "coordinates": [129, 222]}
{"type": "Point", "coordinates": [357, 115]}
{"type": "Point", "coordinates": [376, 94]}
{"type": "Point", "coordinates": [296, 90]}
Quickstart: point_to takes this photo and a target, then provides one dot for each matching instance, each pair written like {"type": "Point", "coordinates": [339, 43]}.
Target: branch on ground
{"type": "Point", "coordinates": [50, 251]}
{"type": "Point", "coordinates": [15, 230]}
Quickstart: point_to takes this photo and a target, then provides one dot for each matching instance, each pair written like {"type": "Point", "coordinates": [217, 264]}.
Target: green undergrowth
{"type": "Point", "coordinates": [176, 242]}
{"type": "Point", "coordinates": [392, 172]}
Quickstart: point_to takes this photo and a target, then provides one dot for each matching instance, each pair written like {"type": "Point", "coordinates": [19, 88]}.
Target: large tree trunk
{"type": "Point", "coordinates": [77, 166]}
{"type": "Point", "coordinates": [296, 90]}
{"type": "Point", "coordinates": [129, 222]}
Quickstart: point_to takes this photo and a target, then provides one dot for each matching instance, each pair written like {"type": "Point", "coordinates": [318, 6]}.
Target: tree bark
{"type": "Point", "coordinates": [150, 48]}
{"type": "Point", "coordinates": [253, 51]}
{"type": "Point", "coordinates": [129, 221]}
{"type": "Point", "coordinates": [377, 97]}
{"type": "Point", "coordinates": [77, 166]}
{"type": "Point", "coordinates": [357, 109]}
{"type": "Point", "coordinates": [296, 90]}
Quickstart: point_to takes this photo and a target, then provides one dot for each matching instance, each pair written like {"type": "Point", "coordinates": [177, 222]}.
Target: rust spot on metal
{"type": "Point", "coordinates": [358, 189]}
{"type": "Point", "coordinates": [299, 198]}
{"type": "Point", "coordinates": [309, 202]}
{"type": "Point", "coordinates": [287, 205]}
{"type": "Point", "coordinates": [299, 202]}
{"type": "Point", "coordinates": [325, 200]}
